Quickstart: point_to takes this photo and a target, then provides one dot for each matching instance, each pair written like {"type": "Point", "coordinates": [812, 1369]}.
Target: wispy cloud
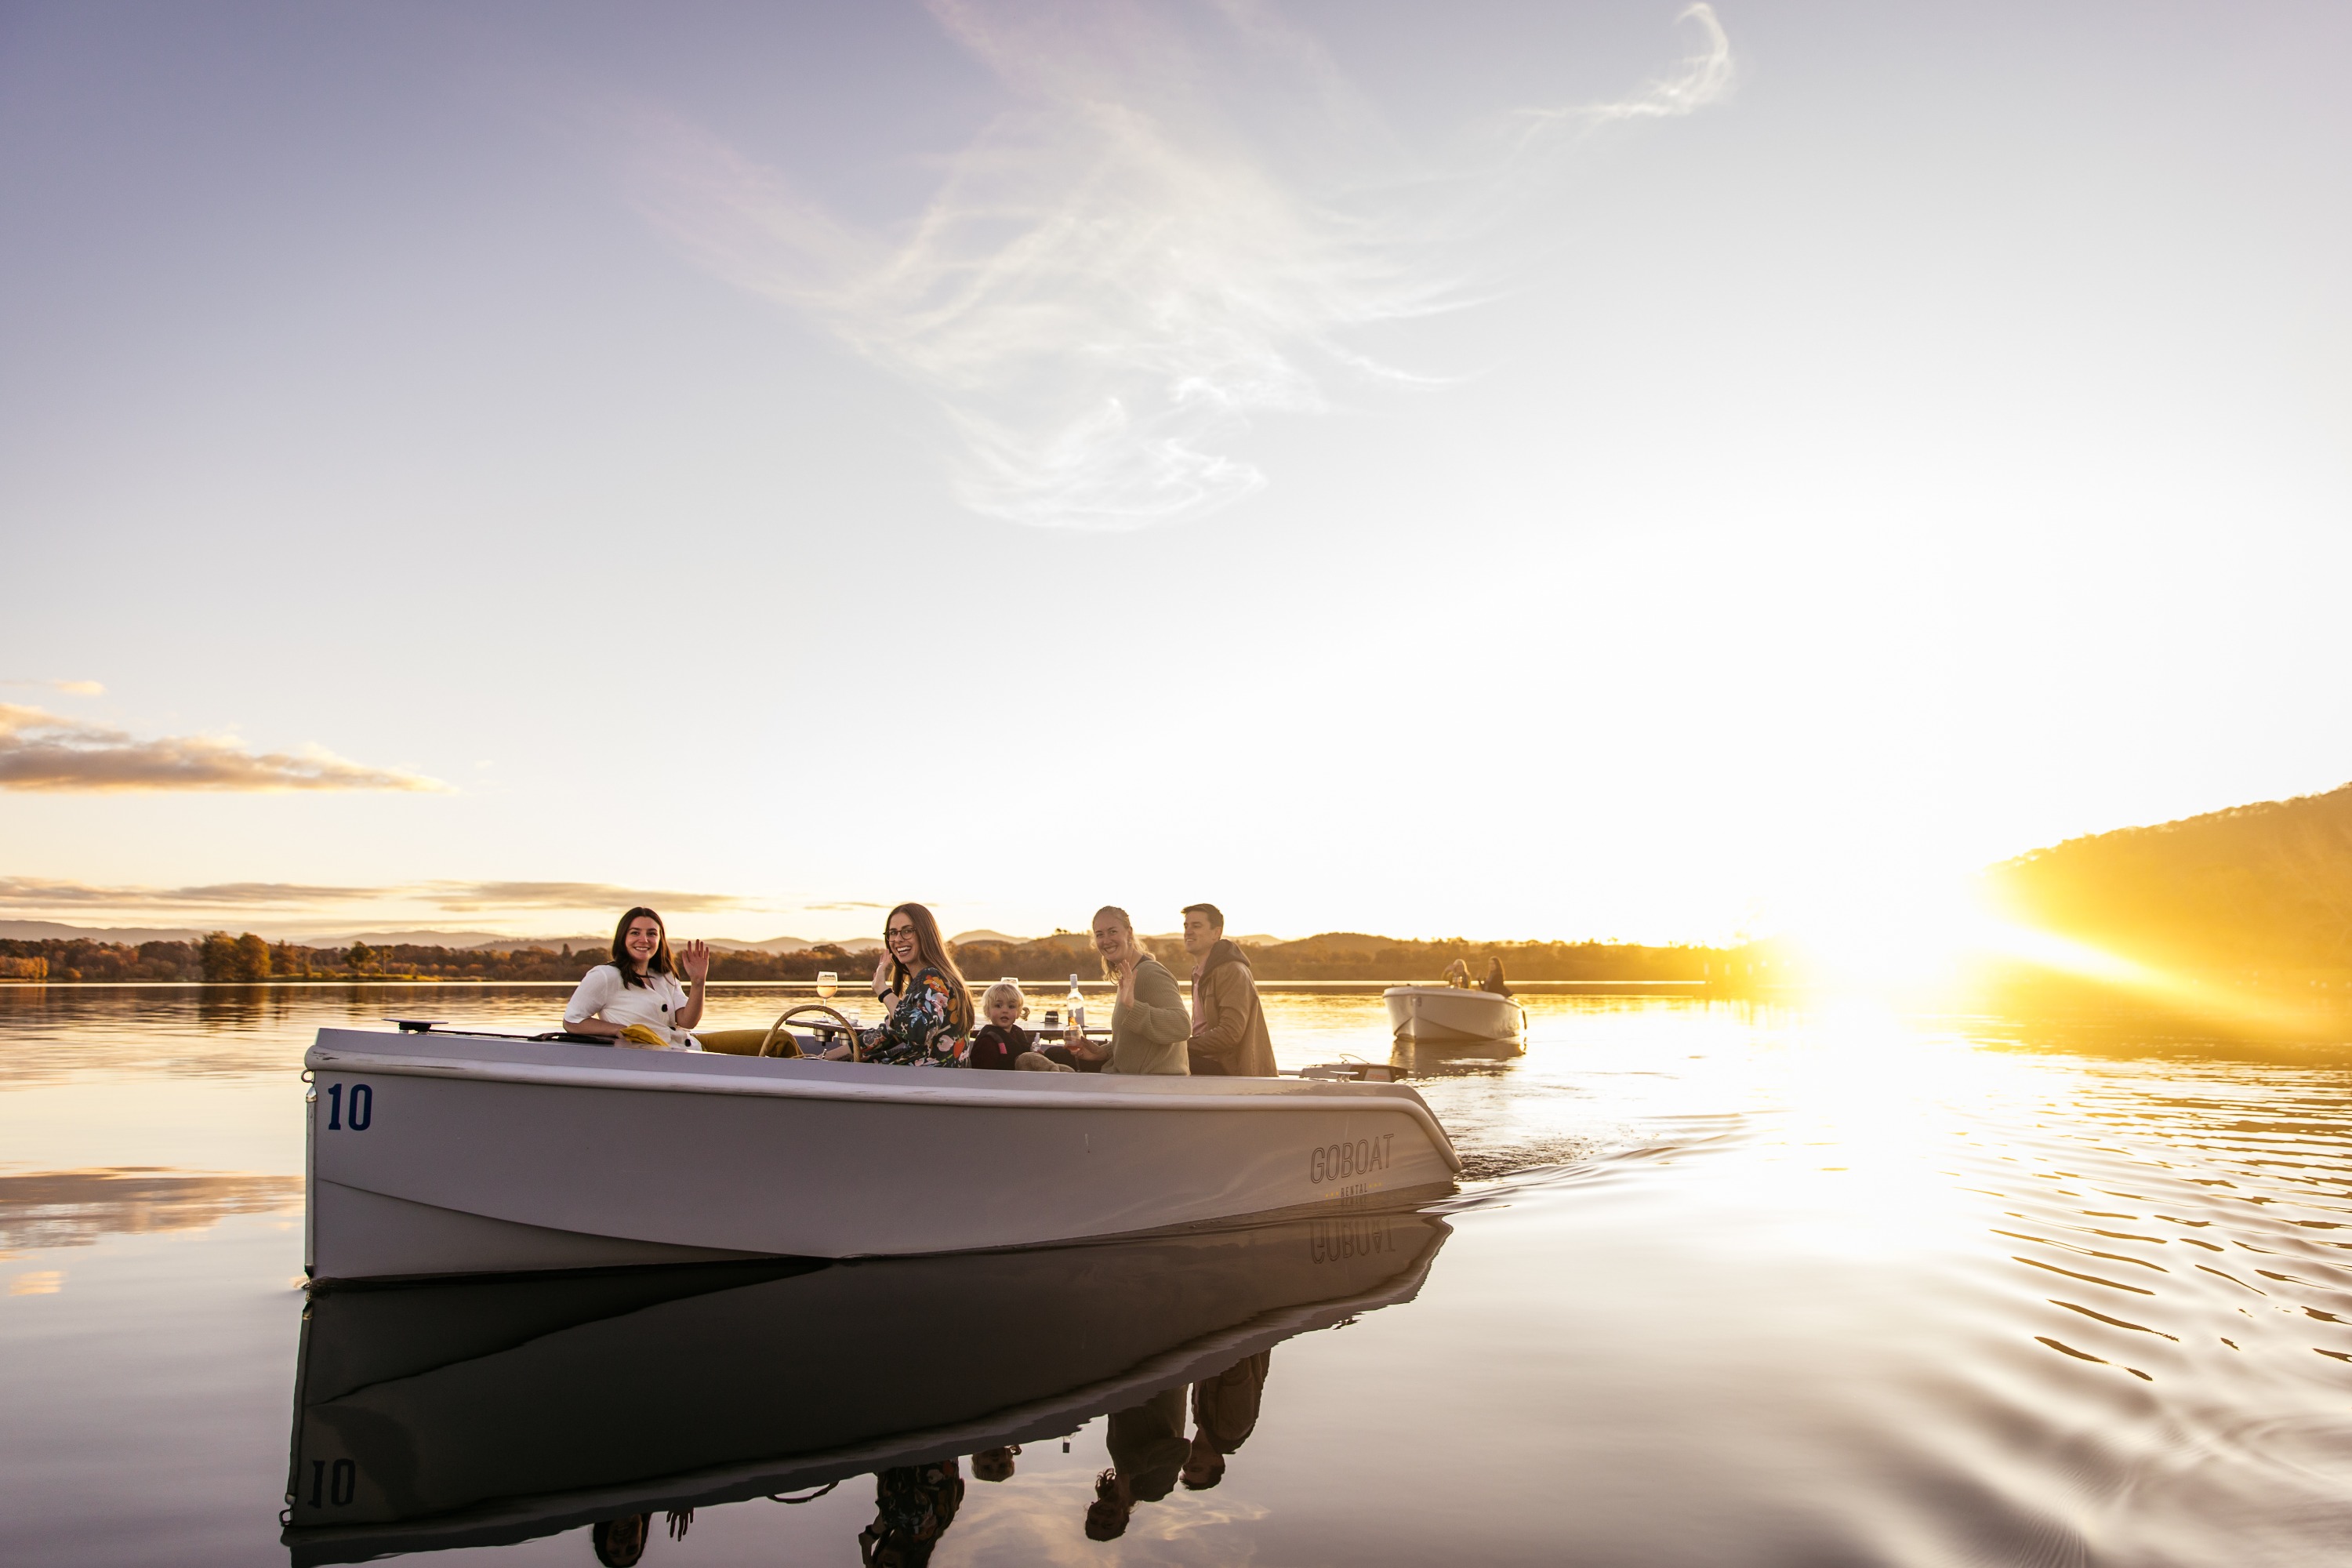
{"type": "Point", "coordinates": [71, 688]}
{"type": "Point", "coordinates": [469, 897]}
{"type": "Point", "coordinates": [44, 750]}
{"type": "Point", "coordinates": [1705, 77]}
{"type": "Point", "coordinates": [1122, 269]}
{"type": "Point", "coordinates": [42, 894]}
{"type": "Point", "coordinates": [458, 897]}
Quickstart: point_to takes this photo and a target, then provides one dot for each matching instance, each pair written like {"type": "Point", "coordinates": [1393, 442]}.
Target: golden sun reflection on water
{"type": "Point", "coordinates": [1821, 1281]}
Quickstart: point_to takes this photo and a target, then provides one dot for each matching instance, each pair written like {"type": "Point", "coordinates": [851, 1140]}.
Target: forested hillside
{"type": "Point", "coordinates": [2255, 890]}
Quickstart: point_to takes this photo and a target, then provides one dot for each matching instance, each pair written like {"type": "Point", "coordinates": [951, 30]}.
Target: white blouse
{"type": "Point", "coordinates": [656, 1005]}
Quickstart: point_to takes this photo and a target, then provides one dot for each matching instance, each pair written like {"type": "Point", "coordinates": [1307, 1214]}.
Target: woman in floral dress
{"type": "Point", "coordinates": [929, 1022]}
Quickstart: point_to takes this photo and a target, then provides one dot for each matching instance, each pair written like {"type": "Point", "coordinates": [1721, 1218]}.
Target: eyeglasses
{"type": "Point", "coordinates": [894, 932]}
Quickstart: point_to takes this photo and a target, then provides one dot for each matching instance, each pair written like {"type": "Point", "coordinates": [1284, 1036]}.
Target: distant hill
{"type": "Point", "coordinates": [1352, 943]}
{"type": "Point", "coordinates": [462, 940]}
{"type": "Point", "coordinates": [1353, 955]}
{"type": "Point", "coordinates": [1356, 955]}
{"type": "Point", "coordinates": [2256, 889]}
{"type": "Point", "coordinates": [127, 936]}
{"type": "Point", "coordinates": [1085, 940]}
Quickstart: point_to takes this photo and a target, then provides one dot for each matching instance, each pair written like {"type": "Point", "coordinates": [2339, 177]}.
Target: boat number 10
{"type": "Point", "coordinates": [363, 1107]}
{"type": "Point", "coordinates": [338, 1485]}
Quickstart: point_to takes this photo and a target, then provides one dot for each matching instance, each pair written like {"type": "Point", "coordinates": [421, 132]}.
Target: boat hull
{"type": "Point", "coordinates": [1440, 1012]}
{"type": "Point", "coordinates": [439, 1154]}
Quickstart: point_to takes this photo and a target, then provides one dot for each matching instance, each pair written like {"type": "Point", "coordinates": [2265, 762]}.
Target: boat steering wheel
{"type": "Point", "coordinates": [778, 1041]}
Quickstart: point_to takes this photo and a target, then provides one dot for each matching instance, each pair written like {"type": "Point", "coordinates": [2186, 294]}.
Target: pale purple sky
{"type": "Point", "coordinates": [1498, 469]}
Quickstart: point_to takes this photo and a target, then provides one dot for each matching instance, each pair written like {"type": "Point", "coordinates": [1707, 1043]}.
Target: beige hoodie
{"type": "Point", "coordinates": [1228, 1023]}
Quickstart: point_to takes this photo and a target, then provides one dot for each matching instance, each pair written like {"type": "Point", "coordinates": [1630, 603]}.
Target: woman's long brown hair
{"type": "Point", "coordinates": [931, 953]}
{"type": "Point", "coordinates": [659, 964]}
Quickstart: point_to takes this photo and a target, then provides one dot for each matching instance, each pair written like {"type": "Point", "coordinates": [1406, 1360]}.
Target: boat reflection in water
{"type": "Point", "coordinates": [1450, 1059]}
{"type": "Point", "coordinates": [473, 1414]}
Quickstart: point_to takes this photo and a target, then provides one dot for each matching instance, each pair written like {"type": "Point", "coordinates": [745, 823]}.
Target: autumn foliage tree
{"type": "Point", "coordinates": [252, 958]}
{"type": "Point", "coordinates": [233, 960]}
{"type": "Point", "coordinates": [217, 953]}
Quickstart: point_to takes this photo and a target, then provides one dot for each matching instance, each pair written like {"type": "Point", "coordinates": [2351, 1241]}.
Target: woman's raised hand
{"type": "Point", "coordinates": [696, 960]}
{"type": "Point", "coordinates": [882, 973]}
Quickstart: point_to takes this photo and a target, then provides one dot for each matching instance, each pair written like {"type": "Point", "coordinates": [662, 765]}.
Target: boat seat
{"type": "Point", "coordinates": [745, 1042]}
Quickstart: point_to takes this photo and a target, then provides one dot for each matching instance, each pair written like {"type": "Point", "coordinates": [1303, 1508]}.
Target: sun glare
{"type": "Point", "coordinates": [1945, 942]}
{"type": "Point", "coordinates": [1869, 936]}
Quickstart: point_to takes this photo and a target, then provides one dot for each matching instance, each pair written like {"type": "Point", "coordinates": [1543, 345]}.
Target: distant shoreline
{"type": "Point", "coordinates": [1044, 988]}
{"type": "Point", "coordinates": [1334, 958]}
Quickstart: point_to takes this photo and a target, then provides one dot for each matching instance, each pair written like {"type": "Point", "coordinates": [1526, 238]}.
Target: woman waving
{"type": "Point", "coordinates": [930, 1007]}
{"type": "Point", "coordinates": [636, 1000]}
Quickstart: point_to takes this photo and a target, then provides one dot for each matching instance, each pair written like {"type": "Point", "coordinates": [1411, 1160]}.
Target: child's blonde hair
{"type": "Point", "coordinates": [1007, 990]}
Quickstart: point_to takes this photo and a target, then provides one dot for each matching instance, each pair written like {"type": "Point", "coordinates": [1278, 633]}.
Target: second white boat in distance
{"type": "Point", "coordinates": [441, 1153]}
{"type": "Point", "coordinates": [1441, 1012]}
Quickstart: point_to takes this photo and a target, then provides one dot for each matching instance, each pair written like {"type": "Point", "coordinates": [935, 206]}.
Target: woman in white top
{"type": "Point", "coordinates": [639, 988]}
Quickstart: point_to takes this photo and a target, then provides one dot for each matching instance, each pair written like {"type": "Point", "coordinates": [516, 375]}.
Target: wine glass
{"type": "Point", "coordinates": [827, 982]}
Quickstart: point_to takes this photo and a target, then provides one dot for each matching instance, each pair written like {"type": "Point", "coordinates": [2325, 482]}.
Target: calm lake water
{"type": "Point", "coordinates": [1734, 1284]}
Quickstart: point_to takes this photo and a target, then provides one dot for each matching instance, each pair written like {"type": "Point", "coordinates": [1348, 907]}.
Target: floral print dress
{"type": "Point", "coordinates": [920, 1031]}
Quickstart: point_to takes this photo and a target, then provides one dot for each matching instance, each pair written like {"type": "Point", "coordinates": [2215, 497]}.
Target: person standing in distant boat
{"type": "Point", "coordinates": [1149, 1021]}
{"type": "Point", "coordinates": [636, 1000]}
{"type": "Point", "coordinates": [1229, 1037]}
{"type": "Point", "coordinates": [930, 1021]}
{"type": "Point", "coordinates": [1495, 984]}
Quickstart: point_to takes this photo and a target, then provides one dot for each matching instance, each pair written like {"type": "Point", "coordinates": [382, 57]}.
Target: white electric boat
{"type": "Point", "coordinates": [1440, 1012]}
{"type": "Point", "coordinates": [442, 1154]}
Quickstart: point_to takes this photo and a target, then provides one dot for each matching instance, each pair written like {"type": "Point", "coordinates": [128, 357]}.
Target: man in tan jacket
{"type": "Point", "coordinates": [1229, 1035]}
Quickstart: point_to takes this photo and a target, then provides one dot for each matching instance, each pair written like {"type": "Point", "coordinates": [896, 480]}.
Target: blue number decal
{"type": "Point", "coordinates": [363, 1107]}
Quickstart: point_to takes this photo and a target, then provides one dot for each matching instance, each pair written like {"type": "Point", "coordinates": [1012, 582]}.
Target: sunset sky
{"type": "Point", "coordinates": [1490, 470]}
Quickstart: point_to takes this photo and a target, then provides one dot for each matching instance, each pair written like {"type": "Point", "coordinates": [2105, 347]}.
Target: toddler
{"type": "Point", "coordinates": [1001, 1041]}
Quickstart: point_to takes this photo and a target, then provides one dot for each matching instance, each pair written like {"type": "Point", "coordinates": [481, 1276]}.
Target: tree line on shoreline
{"type": "Point", "coordinates": [249, 958]}
{"type": "Point", "coordinates": [2255, 898]}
